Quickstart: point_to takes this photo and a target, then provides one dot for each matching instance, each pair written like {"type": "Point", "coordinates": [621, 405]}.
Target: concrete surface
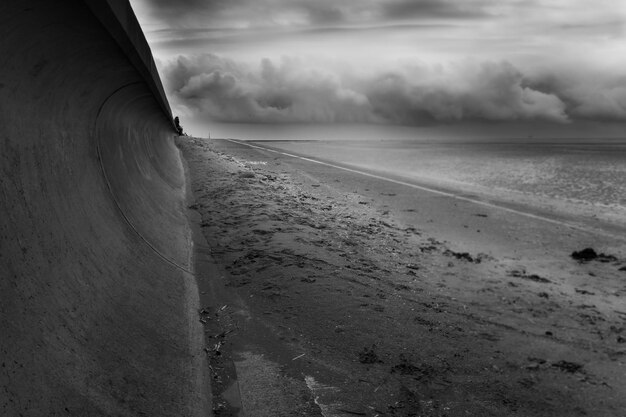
{"type": "Point", "coordinates": [98, 309]}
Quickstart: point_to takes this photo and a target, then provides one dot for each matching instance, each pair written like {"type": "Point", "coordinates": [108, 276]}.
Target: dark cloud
{"type": "Point", "coordinates": [490, 92]}
{"type": "Point", "coordinates": [227, 91]}
{"type": "Point", "coordinates": [272, 13]}
{"type": "Point", "coordinates": [247, 13]}
{"type": "Point", "coordinates": [324, 14]}
{"type": "Point", "coordinates": [429, 9]}
{"type": "Point", "coordinates": [173, 10]}
{"type": "Point", "coordinates": [293, 91]}
{"type": "Point", "coordinates": [588, 96]}
{"type": "Point", "coordinates": [194, 6]}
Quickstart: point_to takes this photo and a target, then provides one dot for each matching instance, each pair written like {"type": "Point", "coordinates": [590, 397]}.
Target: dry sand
{"type": "Point", "coordinates": [333, 294]}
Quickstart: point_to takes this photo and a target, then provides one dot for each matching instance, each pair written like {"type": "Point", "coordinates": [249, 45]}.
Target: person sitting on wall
{"type": "Point", "coordinates": [179, 128]}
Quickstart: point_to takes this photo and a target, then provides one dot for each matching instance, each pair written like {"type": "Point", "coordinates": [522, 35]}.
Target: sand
{"type": "Point", "coordinates": [332, 293]}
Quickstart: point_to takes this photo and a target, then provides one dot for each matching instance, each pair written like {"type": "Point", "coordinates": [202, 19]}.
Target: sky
{"type": "Point", "coordinates": [260, 69]}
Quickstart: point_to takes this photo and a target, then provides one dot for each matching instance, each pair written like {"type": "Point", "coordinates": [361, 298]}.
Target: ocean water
{"type": "Point", "coordinates": [584, 179]}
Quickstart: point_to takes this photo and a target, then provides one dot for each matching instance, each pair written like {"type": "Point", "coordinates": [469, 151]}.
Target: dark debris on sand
{"type": "Point", "coordinates": [465, 256]}
{"type": "Point", "coordinates": [566, 366]}
{"type": "Point", "coordinates": [589, 254]}
{"type": "Point", "coordinates": [369, 355]}
{"type": "Point", "coordinates": [529, 277]}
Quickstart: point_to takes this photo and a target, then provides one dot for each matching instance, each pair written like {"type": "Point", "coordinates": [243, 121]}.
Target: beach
{"type": "Point", "coordinates": [330, 289]}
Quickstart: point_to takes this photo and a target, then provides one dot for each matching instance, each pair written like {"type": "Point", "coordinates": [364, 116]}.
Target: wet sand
{"type": "Point", "coordinates": [333, 293]}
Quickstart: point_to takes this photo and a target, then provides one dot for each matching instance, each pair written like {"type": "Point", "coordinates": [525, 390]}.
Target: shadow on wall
{"type": "Point", "coordinates": [97, 302]}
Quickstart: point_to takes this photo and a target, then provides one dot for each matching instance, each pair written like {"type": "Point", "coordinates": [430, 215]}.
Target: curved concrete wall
{"type": "Point", "coordinates": [97, 306]}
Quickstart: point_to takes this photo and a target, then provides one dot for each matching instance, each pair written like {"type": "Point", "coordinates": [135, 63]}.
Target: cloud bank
{"type": "Point", "coordinates": [295, 91]}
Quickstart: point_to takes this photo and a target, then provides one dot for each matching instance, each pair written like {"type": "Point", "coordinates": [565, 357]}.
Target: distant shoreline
{"type": "Point", "coordinates": [549, 210]}
{"type": "Point", "coordinates": [611, 141]}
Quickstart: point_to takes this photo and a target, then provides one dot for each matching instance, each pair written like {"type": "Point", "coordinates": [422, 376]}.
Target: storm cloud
{"type": "Point", "coordinates": [589, 96]}
{"type": "Point", "coordinates": [295, 91]}
{"type": "Point", "coordinates": [225, 90]}
{"type": "Point", "coordinates": [392, 62]}
{"type": "Point", "coordinates": [245, 13]}
{"type": "Point", "coordinates": [255, 13]}
{"type": "Point", "coordinates": [429, 9]}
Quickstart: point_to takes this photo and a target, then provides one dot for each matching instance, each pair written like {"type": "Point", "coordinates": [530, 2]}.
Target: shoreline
{"type": "Point", "coordinates": [477, 194]}
{"type": "Point", "coordinates": [375, 283]}
{"type": "Point", "coordinates": [607, 218]}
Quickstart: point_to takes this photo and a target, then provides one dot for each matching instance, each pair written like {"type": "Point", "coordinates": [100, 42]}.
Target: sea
{"type": "Point", "coordinates": [582, 179]}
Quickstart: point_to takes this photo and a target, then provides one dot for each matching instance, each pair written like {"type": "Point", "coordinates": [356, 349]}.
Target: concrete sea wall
{"type": "Point", "coordinates": [98, 307]}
